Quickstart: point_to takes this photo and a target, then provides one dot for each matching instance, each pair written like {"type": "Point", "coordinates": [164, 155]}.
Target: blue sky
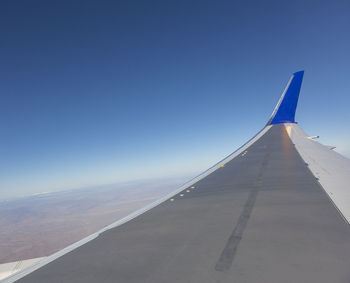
{"type": "Point", "coordinates": [96, 92]}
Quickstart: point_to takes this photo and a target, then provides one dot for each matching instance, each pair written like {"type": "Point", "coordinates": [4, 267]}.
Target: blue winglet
{"type": "Point", "coordinates": [284, 111]}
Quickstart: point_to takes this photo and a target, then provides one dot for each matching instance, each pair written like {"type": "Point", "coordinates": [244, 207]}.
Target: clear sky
{"type": "Point", "coordinates": [96, 92]}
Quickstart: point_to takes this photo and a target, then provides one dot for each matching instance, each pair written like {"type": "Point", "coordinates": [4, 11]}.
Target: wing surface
{"type": "Point", "coordinates": [260, 215]}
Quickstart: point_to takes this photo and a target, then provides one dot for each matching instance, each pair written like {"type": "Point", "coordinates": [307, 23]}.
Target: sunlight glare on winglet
{"type": "Point", "coordinates": [288, 129]}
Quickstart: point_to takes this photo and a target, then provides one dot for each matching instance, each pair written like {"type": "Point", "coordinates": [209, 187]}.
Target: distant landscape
{"type": "Point", "coordinates": [40, 225]}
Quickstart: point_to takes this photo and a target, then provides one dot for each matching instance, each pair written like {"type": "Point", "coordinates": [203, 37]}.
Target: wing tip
{"type": "Point", "coordinates": [284, 111]}
{"type": "Point", "coordinates": [301, 72]}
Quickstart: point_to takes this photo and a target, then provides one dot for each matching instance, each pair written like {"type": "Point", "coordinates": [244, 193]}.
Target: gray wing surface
{"type": "Point", "coordinates": [262, 216]}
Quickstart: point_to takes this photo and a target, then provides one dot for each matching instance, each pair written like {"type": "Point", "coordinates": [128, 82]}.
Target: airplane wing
{"type": "Point", "coordinates": [275, 210]}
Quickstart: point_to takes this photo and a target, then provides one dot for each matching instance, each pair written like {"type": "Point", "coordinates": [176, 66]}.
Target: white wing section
{"type": "Point", "coordinates": [331, 168]}
{"type": "Point", "coordinates": [7, 269]}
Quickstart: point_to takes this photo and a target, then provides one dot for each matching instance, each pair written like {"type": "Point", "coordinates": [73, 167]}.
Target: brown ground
{"type": "Point", "coordinates": [40, 225]}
